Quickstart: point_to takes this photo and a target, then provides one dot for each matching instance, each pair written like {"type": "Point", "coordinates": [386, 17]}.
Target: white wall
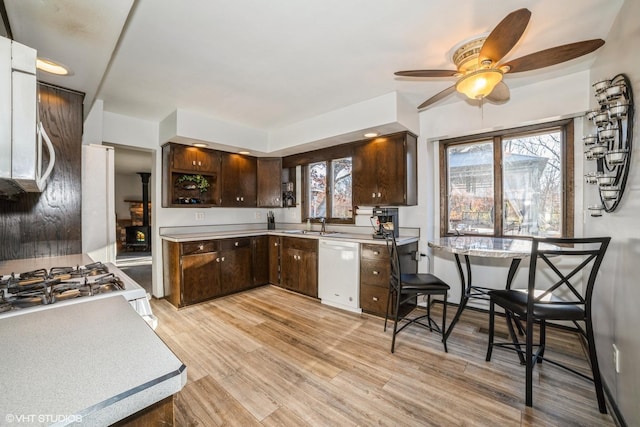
{"type": "Point", "coordinates": [128, 187]}
{"type": "Point", "coordinates": [617, 292]}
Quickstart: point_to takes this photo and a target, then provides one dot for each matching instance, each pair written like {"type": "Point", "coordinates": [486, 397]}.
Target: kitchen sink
{"type": "Point", "coordinates": [313, 233]}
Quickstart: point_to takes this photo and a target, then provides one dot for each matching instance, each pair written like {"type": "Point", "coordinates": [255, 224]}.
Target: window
{"type": "Point", "coordinates": [328, 188]}
{"type": "Point", "coordinates": [514, 183]}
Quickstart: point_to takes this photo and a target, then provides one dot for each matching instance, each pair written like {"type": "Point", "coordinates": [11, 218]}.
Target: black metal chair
{"type": "Point", "coordinates": [404, 289]}
{"type": "Point", "coordinates": [554, 294]}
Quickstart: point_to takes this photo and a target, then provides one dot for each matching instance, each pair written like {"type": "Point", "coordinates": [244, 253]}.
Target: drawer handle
{"type": "Point", "coordinates": [375, 299]}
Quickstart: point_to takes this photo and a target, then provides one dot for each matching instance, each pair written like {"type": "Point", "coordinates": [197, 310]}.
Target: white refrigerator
{"type": "Point", "coordinates": [98, 202]}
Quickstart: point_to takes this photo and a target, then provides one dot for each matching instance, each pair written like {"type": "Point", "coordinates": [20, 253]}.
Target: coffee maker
{"type": "Point", "coordinates": [385, 220]}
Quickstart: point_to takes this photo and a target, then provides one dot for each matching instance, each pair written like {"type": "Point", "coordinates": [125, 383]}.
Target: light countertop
{"type": "Point", "coordinates": [97, 362]}
{"type": "Point", "coordinates": [176, 236]}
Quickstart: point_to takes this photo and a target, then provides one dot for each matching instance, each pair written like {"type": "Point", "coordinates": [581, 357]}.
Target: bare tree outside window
{"type": "Point", "coordinates": [341, 206]}
{"type": "Point", "coordinates": [317, 190]}
{"type": "Point", "coordinates": [534, 193]}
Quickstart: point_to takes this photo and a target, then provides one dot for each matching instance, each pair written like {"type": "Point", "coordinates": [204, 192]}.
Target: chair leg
{"type": "Point", "coordinates": [429, 312]}
{"type": "Point", "coordinates": [395, 320]}
{"type": "Point", "coordinates": [543, 340]}
{"type": "Point", "coordinates": [529, 365]}
{"type": "Point", "coordinates": [511, 319]}
{"type": "Point", "coordinates": [595, 368]}
{"type": "Point", "coordinates": [491, 326]}
{"type": "Point", "coordinates": [386, 316]}
{"type": "Point", "coordinates": [444, 323]}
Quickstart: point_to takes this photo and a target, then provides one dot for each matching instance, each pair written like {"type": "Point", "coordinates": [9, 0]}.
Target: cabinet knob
{"type": "Point", "coordinates": [199, 163]}
{"type": "Point", "coordinates": [242, 199]}
{"type": "Point", "coordinates": [237, 199]}
{"type": "Point", "coordinates": [376, 253]}
{"type": "Point", "coordinates": [375, 273]}
{"type": "Point", "coordinates": [373, 195]}
{"type": "Point", "coordinates": [201, 247]}
{"type": "Point", "coordinates": [236, 243]}
{"type": "Point", "coordinates": [375, 299]}
{"type": "Point", "coordinates": [223, 259]}
{"type": "Point", "coordinates": [275, 244]}
{"type": "Point", "coordinates": [217, 259]}
{"type": "Point", "coordinates": [379, 194]}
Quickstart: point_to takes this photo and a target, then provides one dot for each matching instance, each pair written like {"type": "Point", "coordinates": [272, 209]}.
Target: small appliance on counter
{"type": "Point", "coordinates": [384, 220]}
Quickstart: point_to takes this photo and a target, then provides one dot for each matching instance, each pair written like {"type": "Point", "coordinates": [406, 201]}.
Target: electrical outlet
{"type": "Point", "coordinates": [616, 358]}
{"type": "Point", "coordinates": [258, 215]}
{"type": "Point", "coordinates": [199, 216]}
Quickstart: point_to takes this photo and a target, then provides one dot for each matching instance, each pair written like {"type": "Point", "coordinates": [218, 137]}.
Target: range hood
{"type": "Point", "coordinates": [22, 136]}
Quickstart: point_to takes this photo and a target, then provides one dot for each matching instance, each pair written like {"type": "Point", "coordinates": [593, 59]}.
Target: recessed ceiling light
{"type": "Point", "coordinates": [200, 144]}
{"type": "Point", "coordinates": [244, 152]}
{"type": "Point", "coordinates": [52, 67]}
{"type": "Point", "coordinates": [371, 134]}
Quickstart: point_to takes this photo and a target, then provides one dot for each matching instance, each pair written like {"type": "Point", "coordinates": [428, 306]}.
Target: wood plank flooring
{"type": "Point", "coordinates": [268, 357]}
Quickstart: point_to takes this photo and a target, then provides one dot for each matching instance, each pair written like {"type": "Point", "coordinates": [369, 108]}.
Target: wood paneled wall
{"type": "Point", "coordinates": [49, 223]}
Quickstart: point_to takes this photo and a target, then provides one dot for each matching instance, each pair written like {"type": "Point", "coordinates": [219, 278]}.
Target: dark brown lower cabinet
{"type": "Point", "coordinates": [260, 261]}
{"type": "Point", "coordinates": [274, 260]}
{"type": "Point", "coordinates": [375, 272]}
{"type": "Point", "coordinates": [299, 265]}
{"type": "Point", "coordinates": [201, 270]}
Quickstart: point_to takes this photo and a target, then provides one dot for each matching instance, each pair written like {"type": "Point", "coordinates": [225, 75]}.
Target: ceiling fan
{"type": "Point", "coordinates": [478, 66]}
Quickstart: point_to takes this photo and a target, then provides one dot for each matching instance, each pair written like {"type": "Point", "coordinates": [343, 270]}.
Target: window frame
{"type": "Point", "coordinates": [329, 198]}
{"type": "Point", "coordinates": [566, 129]}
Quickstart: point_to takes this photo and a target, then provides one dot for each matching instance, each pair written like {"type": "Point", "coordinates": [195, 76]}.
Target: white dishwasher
{"type": "Point", "coordinates": [339, 274]}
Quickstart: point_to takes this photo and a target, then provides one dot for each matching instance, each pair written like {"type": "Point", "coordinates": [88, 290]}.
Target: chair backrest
{"type": "Point", "coordinates": [586, 254]}
{"type": "Point", "coordinates": [394, 259]}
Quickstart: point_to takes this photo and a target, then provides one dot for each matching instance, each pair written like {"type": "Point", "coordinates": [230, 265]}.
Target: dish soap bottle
{"type": "Point", "coordinates": [308, 224]}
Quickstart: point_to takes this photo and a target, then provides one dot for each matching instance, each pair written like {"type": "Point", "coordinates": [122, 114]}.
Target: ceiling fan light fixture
{"type": "Point", "coordinates": [480, 83]}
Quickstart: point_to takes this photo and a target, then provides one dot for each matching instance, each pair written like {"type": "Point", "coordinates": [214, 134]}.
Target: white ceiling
{"type": "Point", "coordinates": [267, 64]}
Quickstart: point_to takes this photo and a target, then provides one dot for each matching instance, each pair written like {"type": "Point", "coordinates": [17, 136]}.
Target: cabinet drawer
{"type": "Point", "coordinates": [374, 272]}
{"type": "Point", "coordinates": [190, 248]}
{"type": "Point", "coordinates": [244, 242]}
{"type": "Point", "coordinates": [373, 299]}
{"type": "Point", "coordinates": [300, 243]}
{"type": "Point", "coordinates": [372, 251]}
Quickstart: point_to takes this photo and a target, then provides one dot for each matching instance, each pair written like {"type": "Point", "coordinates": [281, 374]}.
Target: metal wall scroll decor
{"type": "Point", "coordinates": [610, 146]}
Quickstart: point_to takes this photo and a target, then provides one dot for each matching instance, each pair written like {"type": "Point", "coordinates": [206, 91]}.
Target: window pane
{"type": "Point", "coordinates": [470, 184]}
{"type": "Point", "coordinates": [532, 185]}
{"type": "Point", "coordinates": [317, 190]}
{"type": "Point", "coordinates": [341, 202]}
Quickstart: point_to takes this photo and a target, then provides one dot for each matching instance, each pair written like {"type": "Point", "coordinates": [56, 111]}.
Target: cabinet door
{"type": "Point", "coordinates": [269, 182]}
{"type": "Point", "coordinates": [260, 254]}
{"type": "Point", "coordinates": [236, 271]}
{"type": "Point", "coordinates": [365, 185]}
{"type": "Point", "coordinates": [183, 157]}
{"type": "Point", "coordinates": [274, 260]}
{"type": "Point", "coordinates": [308, 273]}
{"type": "Point", "coordinates": [199, 277]}
{"type": "Point", "coordinates": [290, 268]}
{"type": "Point", "coordinates": [208, 161]}
{"type": "Point", "coordinates": [238, 180]}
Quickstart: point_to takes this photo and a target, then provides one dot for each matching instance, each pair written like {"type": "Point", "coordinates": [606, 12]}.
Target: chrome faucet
{"type": "Point", "coordinates": [323, 228]}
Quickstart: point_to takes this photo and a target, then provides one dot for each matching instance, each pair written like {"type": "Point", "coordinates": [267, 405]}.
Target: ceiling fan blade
{"type": "Point", "coordinates": [426, 73]}
{"type": "Point", "coordinates": [555, 55]}
{"type": "Point", "coordinates": [504, 36]}
{"type": "Point", "coordinates": [437, 97]}
{"type": "Point", "coordinates": [499, 94]}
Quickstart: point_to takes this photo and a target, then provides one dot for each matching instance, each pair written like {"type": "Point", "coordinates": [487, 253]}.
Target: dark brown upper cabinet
{"type": "Point", "coordinates": [190, 176]}
{"type": "Point", "coordinates": [270, 182]}
{"type": "Point", "coordinates": [238, 175]}
{"type": "Point", "coordinates": [385, 171]}
{"type": "Point", "coordinates": [194, 159]}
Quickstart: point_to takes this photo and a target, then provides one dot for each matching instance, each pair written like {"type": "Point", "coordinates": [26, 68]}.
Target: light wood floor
{"type": "Point", "coordinates": [268, 357]}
